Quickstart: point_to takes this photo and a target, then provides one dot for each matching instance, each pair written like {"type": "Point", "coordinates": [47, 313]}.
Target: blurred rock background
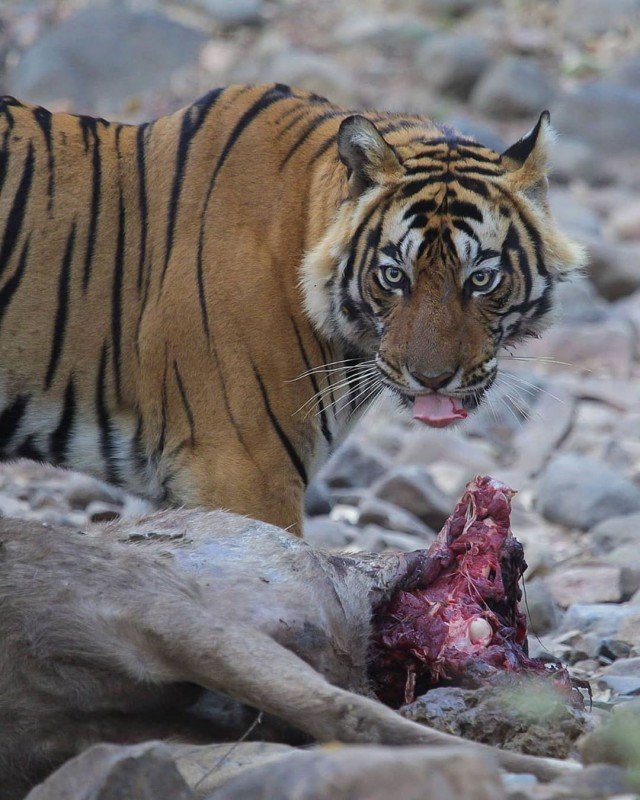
{"type": "Point", "coordinates": [563, 423]}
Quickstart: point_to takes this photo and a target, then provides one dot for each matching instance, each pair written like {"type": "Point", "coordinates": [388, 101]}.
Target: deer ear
{"type": "Point", "coordinates": [369, 159]}
{"type": "Point", "coordinates": [527, 161]}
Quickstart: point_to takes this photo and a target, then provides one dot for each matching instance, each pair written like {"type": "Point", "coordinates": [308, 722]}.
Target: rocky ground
{"type": "Point", "coordinates": [563, 424]}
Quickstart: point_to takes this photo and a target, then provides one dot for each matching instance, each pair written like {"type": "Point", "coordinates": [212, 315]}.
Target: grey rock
{"type": "Point", "coordinates": [370, 771]}
{"type": "Point", "coordinates": [543, 614]}
{"type": "Point", "coordinates": [513, 87]}
{"type": "Point", "coordinates": [616, 532]}
{"type": "Point", "coordinates": [112, 772]}
{"type": "Point", "coordinates": [413, 489]}
{"type": "Point", "coordinates": [387, 32]}
{"type": "Point", "coordinates": [577, 301]}
{"type": "Point", "coordinates": [593, 782]}
{"type": "Point", "coordinates": [585, 19]}
{"type": "Point", "coordinates": [452, 63]}
{"type": "Point", "coordinates": [231, 13]}
{"type": "Point", "coordinates": [354, 465]}
{"type": "Point", "coordinates": [451, 8]}
{"type": "Point", "coordinates": [528, 716]}
{"type": "Point", "coordinates": [375, 539]}
{"type": "Point", "coordinates": [326, 532]}
{"type": "Point", "coordinates": [372, 510]}
{"type": "Point", "coordinates": [573, 216]}
{"type": "Point", "coordinates": [100, 57]}
{"type": "Point", "coordinates": [572, 159]}
{"type": "Point", "coordinates": [601, 619]}
{"type": "Point", "coordinates": [580, 492]}
{"type": "Point", "coordinates": [603, 114]}
{"type": "Point", "coordinates": [627, 72]}
{"type": "Point", "coordinates": [317, 499]}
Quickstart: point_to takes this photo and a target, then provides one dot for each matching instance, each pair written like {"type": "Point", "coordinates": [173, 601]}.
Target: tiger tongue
{"type": "Point", "coordinates": [437, 410]}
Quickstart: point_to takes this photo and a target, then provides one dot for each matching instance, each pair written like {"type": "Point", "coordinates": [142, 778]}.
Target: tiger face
{"type": "Point", "coordinates": [444, 253]}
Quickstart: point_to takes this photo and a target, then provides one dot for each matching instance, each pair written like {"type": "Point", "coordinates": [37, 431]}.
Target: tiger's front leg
{"type": "Point", "coordinates": [235, 481]}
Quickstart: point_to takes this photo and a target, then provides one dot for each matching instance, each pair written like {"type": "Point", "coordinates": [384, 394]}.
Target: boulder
{"type": "Point", "coordinates": [413, 489]}
{"type": "Point", "coordinates": [514, 87]}
{"type": "Point", "coordinates": [113, 772]}
{"type": "Point", "coordinates": [616, 532]}
{"type": "Point", "coordinates": [580, 492]}
{"type": "Point", "coordinates": [603, 114]}
{"type": "Point", "coordinates": [354, 465]}
{"type": "Point", "coordinates": [101, 57]}
{"type": "Point", "coordinates": [543, 613]}
{"type": "Point", "coordinates": [232, 13]}
{"type": "Point", "coordinates": [374, 511]}
{"type": "Point", "coordinates": [451, 63]}
{"type": "Point", "coordinates": [586, 583]}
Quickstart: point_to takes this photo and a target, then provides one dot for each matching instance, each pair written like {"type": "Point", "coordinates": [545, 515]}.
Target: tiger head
{"type": "Point", "coordinates": [442, 253]}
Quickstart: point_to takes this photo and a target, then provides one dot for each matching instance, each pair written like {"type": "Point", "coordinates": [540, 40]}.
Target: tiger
{"type": "Point", "coordinates": [198, 308]}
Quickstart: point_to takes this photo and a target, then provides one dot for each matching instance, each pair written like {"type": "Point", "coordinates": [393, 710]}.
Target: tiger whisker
{"type": "Point", "coordinates": [318, 396]}
{"type": "Point", "coordinates": [369, 382]}
{"type": "Point", "coordinates": [331, 367]}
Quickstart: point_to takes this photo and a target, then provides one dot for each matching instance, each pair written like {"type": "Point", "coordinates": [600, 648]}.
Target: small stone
{"type": "Point", "coordinates": [603, 114]}
{"type": "Point", "coordinates": [543, 614]}
{"type": "Point", "coordinates": [232, 13]}
{"type": "Point", "coordinates": [354, 465]}
{"type": "Point", "coordinates": [624, 223]}
{"type": "Point", "coordinates": [387, 515]}
{"type": "Point", "coordinates": [613, 268]}
{"type": "Point", "coordinates": [629, 631]}
{"type": "Point", "coordinates": [585, 584]}
{"type": "Point", "coordinates": [112, 772]}
{"type": "Point", "coordinates": [601, 619]}
{"type": "Point", "coordinates": [387, 32]}
{"type": "Point", "coordinates": [513, 87]}
{"type": "Point", "coordinates": [317, 499]}
{"type": "Point", "coordinates": [580, 492]}
{"type": "Point", "coordinates": [582, 20]}
{"type": "Point", "coordinates": [375, 539]}
{"type": "Point", "coordinates": [413, 489]}
{"type": "Point", "coordinates": [594, 782]}
{"type": "Point", "coordinates": [572, 159]}
{"type": "Point", "coordinates": [450, 8]}
{"type": "Point", "coordinates": [627, 72]}
{"type": "Point", "coordinates": [451, 63]}
{"type": "Point", "coordinates": [324, 532]}
{"type": "Point", "coordinates": [616, 532]}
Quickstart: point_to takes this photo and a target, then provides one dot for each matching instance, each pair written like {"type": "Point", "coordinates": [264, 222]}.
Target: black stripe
{"type": "Point", "coordinates": [61, 436]}
{"type": "Point", "coordinates": [165, 403]}
{"type": "Point", "coordinates": [272, 95]}
{"type": "Point", "coordinates": [472, 170]}
{"type": "Point", "coordinates": [314, 384]}
{"type": "Point", "coordinates": [107, 444]}
{"type": "Point", "coordinates": [44, 119]}
{"type": "Point", "coordinates": [192, 121]}
{"type": "Point", "coordinates": [27, 449]}
{"type": "Point", "coordinates": [88, 126]}
{"type": "Point", "coordinates": [474, 185]}
{"type": "Point", "coordinates": [306, 133]}
{"type": "Point", "coordinates": [10, 419]}
{"type": "Point", "coordinates": [460, 208]}
{"type": "Point", "coordinates": [286, 442]}
{"type": "Point", "coordinates": [60, 324]}
{"type": "Point", "coordinates": [185, 402]}
{"type": "Point", "coordinates": [142, 201]}
{"type": "Point", "coordinates": [11, 286]}
{"type": "Point", "coordinates": [421, 207]}
{"type": "Point", "coordinates": [463, 226]}
{"type": "Point", "coordinates": [18, 207]}
{"type": "Point", "coordinates": [116, 298]}
{"type": "Point", "coordinates": [415, 186]}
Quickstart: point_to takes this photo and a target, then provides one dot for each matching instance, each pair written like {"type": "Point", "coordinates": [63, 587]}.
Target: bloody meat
{"type": "Point", "coordinates": [463, 624]}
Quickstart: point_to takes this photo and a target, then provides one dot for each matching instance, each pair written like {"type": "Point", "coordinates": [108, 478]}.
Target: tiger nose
{"type": "Point", "coordinates": [431, 381]}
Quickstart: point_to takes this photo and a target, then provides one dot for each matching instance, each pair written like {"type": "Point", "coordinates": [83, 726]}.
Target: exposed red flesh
{"type": "Point", "coordinates": [463, 623]}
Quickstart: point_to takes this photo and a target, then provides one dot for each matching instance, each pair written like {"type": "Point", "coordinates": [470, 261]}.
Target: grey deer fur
{"type": "Point", "coordinates": [110, 634]}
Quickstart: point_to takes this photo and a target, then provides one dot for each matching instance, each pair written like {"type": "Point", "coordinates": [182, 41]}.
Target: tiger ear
{"type": "Point", "coordinates": [369, 159]}
{"type": "Point", "coordinates": [527, 161]}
